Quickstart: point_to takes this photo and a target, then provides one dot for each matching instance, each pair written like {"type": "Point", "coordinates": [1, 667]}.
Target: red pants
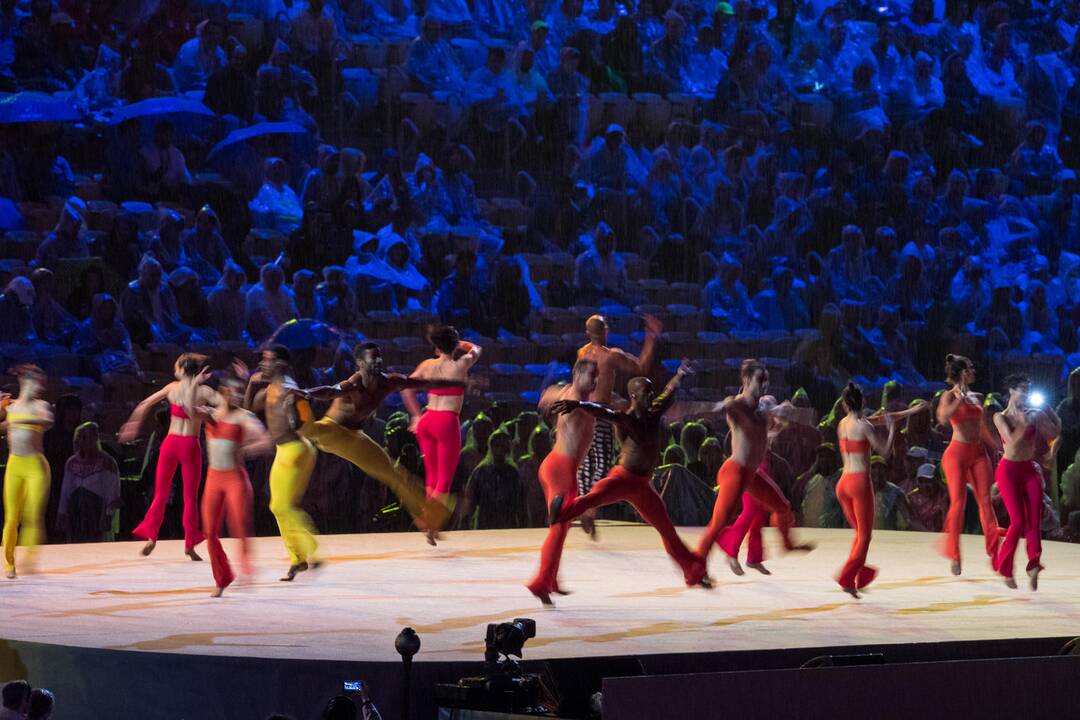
{"type": "Point", "coordinates": [621, 484]}
{"type": "Point", "coordinates": [967, 464]}
{"type": "Point", "coordinates": [227, 496]}
{"type": "Point", "coordinates": [558, 476]}
{"type": "Point", "coordinates": [731, 481]}
{"type": "Point", "coordinates": [856, 496]}
{"type": "Point", "coordinates": [750, 521]}
{"type": "Point", "coordinates": [439, 436]}
{"type": "Point", "coordinates": [185, 451]}
{"type": "Point", "coordinates": [1021, 487]}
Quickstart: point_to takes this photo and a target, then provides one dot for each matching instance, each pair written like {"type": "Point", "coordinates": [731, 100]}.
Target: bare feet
{"type": "Point", "coordinates": [1010, 583]}
{"type": "Point", "coordinates": [955, 567]}
{"type": "Point", "coordinates": [293, 571]}
{"type": "Point", "coordinates": [588, 524]}
{"type": "Point", "coordinates": [217, 592]}
{"type": "Point", "coordinates": [193, 555]}
{"type": "Point", "coordinates": [1033, 574]}
{"type": "Point", "coordinates": [733, 563]}
{"type": "Point", "coordinates": [760, 567]}
{"type": "Point", "coordinates": [148, 548]}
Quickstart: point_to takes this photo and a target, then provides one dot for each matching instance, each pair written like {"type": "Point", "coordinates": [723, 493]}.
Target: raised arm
{"type": "Point", "coordinates": [1049, 423]}
{"type": "Point", "coordinates": [467, 353]}
{"type": "Point", "coordinates": [640, 365]}
{"type": "Point", "coordinates": [947, 406]}
{"type": "Point", "coordinates": [884, 449]}
{"type": "Point", "coordinates": [1008, 434]}
{"type": "Point", "coordinates": [667, 396]}
{"type": "Point", "coordinates": [130, 430]}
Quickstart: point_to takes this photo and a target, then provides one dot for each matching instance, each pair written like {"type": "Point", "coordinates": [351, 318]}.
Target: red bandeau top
{"type": "Point", "coordinates": [225, 431]}
{"type": "Point", "coordinates": [966, 411]}
{"type": "Point", "coordinates": [854, 447]}
{"type": "Point", "coordinates": [447, 392]}
{"type": "Point", "coordinates": [178, 411]}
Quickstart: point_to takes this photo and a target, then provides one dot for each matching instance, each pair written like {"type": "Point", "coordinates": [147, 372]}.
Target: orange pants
{"type": "Point", "coordinates": [227, 496]}
{"type": "Point", "coordinates": [967, 464]}
{"type": "Point", "coordinates": [621, 484]}
{"type": "Point", "coordinates": [856, 496]}
{"type": "Point", "coordinates": [731, 481]}
{"type": "Point", "coordinates": [558, 476]}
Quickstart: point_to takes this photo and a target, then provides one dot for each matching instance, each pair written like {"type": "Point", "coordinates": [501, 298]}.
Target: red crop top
{"type": "Point", "coordinates": [225, 431]}
{"type": "Point", "coordinates": [854, 447]}
{"type": "Point", "coordinates": [178, 411]}
{"type": "Point", "coordinates": [447, 392]}
{"type": "Point", "coordinates": [966, 411]}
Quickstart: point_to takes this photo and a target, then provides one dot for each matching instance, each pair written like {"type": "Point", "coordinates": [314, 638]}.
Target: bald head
{"type": "Point", "coordinates": [640, 389]}
{"type": "Point", "coordinates": [596, 328]}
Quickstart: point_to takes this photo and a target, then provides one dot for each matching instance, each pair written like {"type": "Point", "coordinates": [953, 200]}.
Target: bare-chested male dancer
{"type": "Point", "coordinates": [639, 434]}
{"type": "Point", "coordinates": [339, 431]}
{"type": "Point", "coordinates": [558, 472]}
{"type": "Point", "coordinates": [610, 362]}
{"type": "Point", "coordinates": [749, 442]}
{"type": "Point", "coordinates": [273, 390]}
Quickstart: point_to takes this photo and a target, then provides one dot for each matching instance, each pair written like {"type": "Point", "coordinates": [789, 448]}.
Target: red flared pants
{"type": "Point", "coordinates": [185, 451]}
{"type": "Point", "coordinates": [621, 484]}
{"type": "Point", "coordinates": [732, 480]}
{"type": "Point", "coordinates": [967, 464]}
{"type": "Point", "coordinates": [856, 496]}
{"type": "Point", "coordinates": [558, 476]}
{"type": "Point", "coordinates": [1021, 487]}
{"type": "Point", "coordinates": [227, 496]}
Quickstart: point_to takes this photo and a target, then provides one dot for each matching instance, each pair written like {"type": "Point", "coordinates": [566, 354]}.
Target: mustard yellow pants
{"type": "Point", "coordinates": [289, 476]}
{"type": "Point", "coordinates": [26, 493]}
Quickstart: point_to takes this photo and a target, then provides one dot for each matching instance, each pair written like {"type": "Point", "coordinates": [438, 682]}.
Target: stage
{"type": "Point", "coordinates": [628, 600]}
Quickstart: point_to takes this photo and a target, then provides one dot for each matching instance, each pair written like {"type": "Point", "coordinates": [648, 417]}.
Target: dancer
{"type": "Point", "coordinates": [754, 515]}
{"type": "Point", "coordinates": [354, 401]}
{"type": "Point", "coordinates": [749, 428]}
{"type": "Point", "coordinates": [232, 433]}
{"type": "Point", "coordinates": [610, 362]}
{"type": "Point", "coordinates": [1019, 478]}
{"type": "Point", "coordinates": [438, 429]}
{"type": "Point", "coordinates": [26, 478]}
{"type": "Point", "coordinates": [273, 391]}
{"type": "Point", "coordinates": [638, 430]}
{"type": "Point", "coordinates": [558, 471]}
{"type": "Point", "coordinates": [965, 461]}
{"type": "Point", "coordinates": [854, 490]}
{"type": "Point", "coordinates": [180, 447]}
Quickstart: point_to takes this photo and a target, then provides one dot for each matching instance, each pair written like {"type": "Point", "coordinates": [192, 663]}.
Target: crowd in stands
{"type": "Point", "coordinates": [846, 189]}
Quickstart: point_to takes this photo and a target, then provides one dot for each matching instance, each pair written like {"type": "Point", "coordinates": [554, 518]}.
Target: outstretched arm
{"type": "Point", "coordinates": [330, 392]}
{"type": "Point", "coordinates": [130, 430]}
{"type": "Point", "coordinates": [884, 449]}
{"type": "Point", "coordinates": [562, 407]}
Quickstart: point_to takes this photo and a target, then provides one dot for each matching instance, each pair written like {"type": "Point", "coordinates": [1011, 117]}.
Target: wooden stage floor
{"type": "Point", "coordinates": [628, 598]}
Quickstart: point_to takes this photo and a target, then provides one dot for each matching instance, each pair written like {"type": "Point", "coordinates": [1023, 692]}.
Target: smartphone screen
{"type": "Point", "coordinates": [353, 686]}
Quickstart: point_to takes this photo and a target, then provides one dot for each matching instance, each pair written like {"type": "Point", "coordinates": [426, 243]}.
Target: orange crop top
{"type": "Point", "coordinates": [966, 411]}
{"type": "Point", "coordinates": [854, 447]}
{"type": "Point", "coordinates": [225, 431]}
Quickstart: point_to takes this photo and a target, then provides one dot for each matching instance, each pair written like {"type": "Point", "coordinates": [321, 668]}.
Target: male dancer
{"type": "Point", "coordinates": [339, 431]}
{"type": "Point", "coordinates": [749, 442]}
{"type": "Point", "coordinates": [294, 459]}
{"type": "Point", "coordinates": [558, 472]}
{"type": "Point", "coordinates": [638, 430]}
{"type": "Point", "coordinates": [609, 361]}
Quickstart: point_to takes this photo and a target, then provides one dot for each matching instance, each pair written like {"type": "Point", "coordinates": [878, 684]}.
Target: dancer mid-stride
{"type": "Point", "coordinates": [340, 431]}
{"type": "Point", "coordinates": [180, 447]}
{"type": "Point", "coordinates": [749, 424]}
{"type": "Point", "coordinates": [1019, 478]}
{"type": "Point", "coordinates": [232, 433]}
{"type": "Point", "coordinates": [273, 391]}
{"type": "Point", "coordinates": [558, 471]}
{"type": "Point", "coordinates": [26, 478]}
{"type": "Point", "coordinates": [638, 431]}
{"type": "Point", "coordinates": [965, 461]}
{"type": "Point", "coordinates": [438, 429]}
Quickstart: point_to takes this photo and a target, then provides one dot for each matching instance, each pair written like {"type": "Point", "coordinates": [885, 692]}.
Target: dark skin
{"type": "Point", "coordinates": [638, 427]}
{"type": "Point", "coordinates": [271, 392]}
{"type": "Point", "coordinates": [356, 399]}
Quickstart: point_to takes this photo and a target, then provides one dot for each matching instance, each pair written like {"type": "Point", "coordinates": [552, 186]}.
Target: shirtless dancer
{"type": "Point", "coordinates": [558, 472]}
{"type": "Point", "coordinates": [749, 424]}
{"type": "Point", "coordinates": [339, 431]}
{"type": "Point", "coordinates": [609, 361]}
{"type": "Point", "coordinates": [638, 429]}
{"type": "Point", "coordinates": [273, 390]}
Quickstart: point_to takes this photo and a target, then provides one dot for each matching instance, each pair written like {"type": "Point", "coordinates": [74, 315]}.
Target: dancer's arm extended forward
{"type": "Point", "coordinates": [562, 407]}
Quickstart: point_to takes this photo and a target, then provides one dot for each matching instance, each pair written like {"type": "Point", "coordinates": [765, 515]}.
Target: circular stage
{"type": "Point", "coordinates": [628, 598]}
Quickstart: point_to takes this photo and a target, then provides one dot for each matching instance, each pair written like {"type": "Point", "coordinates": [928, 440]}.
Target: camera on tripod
{"type": "Point", "coordinates": [503, 686]}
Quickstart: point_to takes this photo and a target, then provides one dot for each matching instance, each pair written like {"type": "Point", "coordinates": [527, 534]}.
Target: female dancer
{"type": "Point", "coordinates": [180, 447]}
{"type": "Point", "coordinates": [965, 461]}
{"type": "Point", "coordinates": [854, 490]}
{"type": "Point", "coordinates": [232, 433]}
{"type": "Point", "coordinates": [438, 430]}
{"type": "Point", "coordinates": [26, 478]}
{"type": "Point", "coordinates": [1019, 478]}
